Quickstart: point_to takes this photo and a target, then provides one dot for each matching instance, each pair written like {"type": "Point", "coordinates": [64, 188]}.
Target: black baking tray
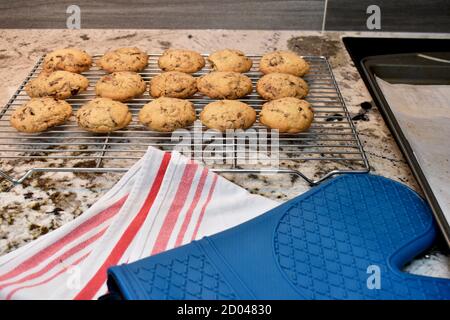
{"type": "Point", "coordinates": [409, 68]}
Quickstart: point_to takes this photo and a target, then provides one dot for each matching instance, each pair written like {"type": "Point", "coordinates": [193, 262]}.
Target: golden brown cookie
{"type": "Point", "coordinates": [230, 60]}
{"type": "Point", "coordinates": [167, 114]}
{"type": "Point", "coordinates": [120, 86]}
{"type": "Point", "coordinates": [224, 85]}
{"type": "Point", "coordinates": [274, 86]}
{"type": "Point", "coordinates": [181, 60]}
{"type": "Point", "coordinates": [228, 114]}
{"type": "Point", "coordinates": [39, 114]}
{"type": "Point", "coordinates": [58, 84]}
{"type": "Point", "coordinates": [173, 84]}
{"type": "Point", "coordinates": [70, 59]}
{"type": "Point", "coordinates": [103, 115]}
{"type": "Point", "coordinates": [123, 59]}
{"type": "Point", "coordinates": [284, 62]}
{"type": "Point", "coordinates": [290, 115]}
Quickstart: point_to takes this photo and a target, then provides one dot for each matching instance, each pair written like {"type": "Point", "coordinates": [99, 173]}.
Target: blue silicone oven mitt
{"type": "Point", "coordinates": [345, 239]}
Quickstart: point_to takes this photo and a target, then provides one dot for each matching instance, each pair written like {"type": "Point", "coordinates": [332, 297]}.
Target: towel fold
{"type": "Point", "coordinates": [165, 200]}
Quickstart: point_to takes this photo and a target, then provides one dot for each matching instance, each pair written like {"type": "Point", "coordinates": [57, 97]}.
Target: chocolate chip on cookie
{"type": "Point", "coordinates": [70, 59]}
{"type": "Point", "coordinates": [173, 84]}
{"type": "Point", "coordinates": [224, 85]}
{"type": "Point", "coordinates": [289, 115]}
{"type": "Point", "coordinates": [120, 86]}
{"type": "Point", "coordinates": [123, 59]}
{"type": "Point", "coordinates": [227, 114]}
{"type": "Point", "coordinates": [181, 60]}
{"type": "Point", "coordinates": [284, 62]}
{"type": "Point", "coordinates": [167, 114]}
{"type": "Point", "coordinates": [40, 114]}
{"type": "Point", "coordinates": [280, 85]}
{"type": "Point", "coordinates": [230, 60]}
{"type": "Point", "coordinates": [103, 115]}
{"type": "Point", "coordinates": [58, 84]}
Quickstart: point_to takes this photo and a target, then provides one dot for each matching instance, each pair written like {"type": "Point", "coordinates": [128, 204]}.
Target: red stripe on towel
{"type": "Point", "coordinates": [76, 233]}
{"type": "Point", "coordinates": [175, 208]}
{"type": "Point", "coordinates": [187, 218]}
{"type": "Point", "coordinates": [47, 280]}
{"type": "Point", "coordinates": [96, 282]}
{"type": "Point", "coordinates": [202, 213]}
{"type": "Point", "coordinates": [58, 260]}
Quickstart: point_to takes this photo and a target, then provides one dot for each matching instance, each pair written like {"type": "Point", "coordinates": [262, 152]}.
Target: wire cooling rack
{"type": "Point", "coordinates": [331, 146]}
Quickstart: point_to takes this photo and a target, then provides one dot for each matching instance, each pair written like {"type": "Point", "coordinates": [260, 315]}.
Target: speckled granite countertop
{"type": "Point", "coordinates": [45, 201]}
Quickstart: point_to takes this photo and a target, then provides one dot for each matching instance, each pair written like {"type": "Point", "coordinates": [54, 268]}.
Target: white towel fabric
{"type": "Point", "coordinates": [163, 201]}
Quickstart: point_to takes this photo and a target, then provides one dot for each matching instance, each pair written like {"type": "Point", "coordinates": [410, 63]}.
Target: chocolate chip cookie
{"type": "Point", "coordinates": [173, 84]}
{"type": "Point", "coordinates": [230, 60]}
{"type": "Point", "coordinates": [289, 115]}
{"type": "Point", "coordinates": [39, 114]}
{"type": "Point", "coordinates": [70, 59]}
{"type": "Point", "coordinates": [181, 60]}
{"type": "Point", "coordinates": [228, 114]}
{"type": "Point", "coordinates": [284, 62]}
{"type": "Point", "coordinates": [123, 59]}
{"type": "Point", "coordinates": [224, 85]}
{"type": "Point", "coordinates": [103, 115]}
{"type": "Point", "coordinates": [167, 114]}
{"type": "Point", "coordinates": [58, 84]}
{"type": "Point", "coordinates": [280, 85]}
{"type": "Point", "coordinates": [120, 86]}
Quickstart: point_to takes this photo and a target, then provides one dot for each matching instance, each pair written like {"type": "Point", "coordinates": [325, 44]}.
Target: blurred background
{"type": "Point", "coordinates": [349, 15]}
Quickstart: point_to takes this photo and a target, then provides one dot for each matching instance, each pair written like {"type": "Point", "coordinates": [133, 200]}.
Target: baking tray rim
{"type": "Point", "coordinates": [367, 64]}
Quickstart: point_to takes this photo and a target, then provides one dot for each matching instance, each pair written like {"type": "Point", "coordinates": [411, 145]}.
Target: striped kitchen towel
{"type": "Point", "coordinates": [165, 200]}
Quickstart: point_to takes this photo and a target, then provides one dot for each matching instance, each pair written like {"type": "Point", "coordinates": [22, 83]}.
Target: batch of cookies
{"type": "Point", "coordinates": [170, 109]}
